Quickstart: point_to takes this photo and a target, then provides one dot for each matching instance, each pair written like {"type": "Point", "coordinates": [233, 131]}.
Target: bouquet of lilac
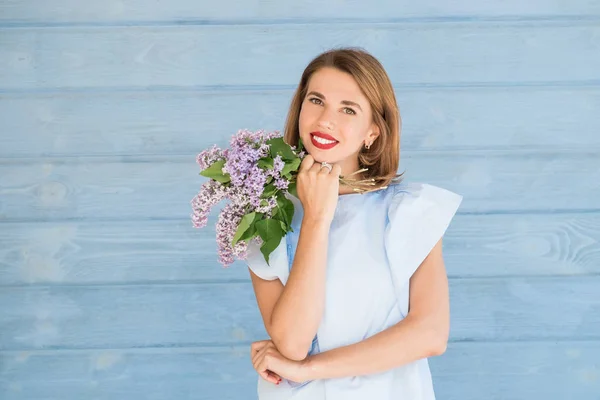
{"type": "Point", "coordinates": [255, 173]}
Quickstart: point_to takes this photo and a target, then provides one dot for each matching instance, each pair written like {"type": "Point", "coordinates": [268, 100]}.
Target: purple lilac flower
{"type": "Point", "coordinates": [209, 156]}
{"type": "Point", "coordinates": [254, 185]}
{"type": "Point", "coordinates": [229, 218]}
{"type": "Point", "coordinates": [244, 191]}
{"type": "Point", "coordinates": [271, 204]}
{"type": "Point", "coordinates": [281, 183]}
{"type": "Point", "coordinates": [278, 164]}
{"type": "Point", "coordinates": [211, 193]}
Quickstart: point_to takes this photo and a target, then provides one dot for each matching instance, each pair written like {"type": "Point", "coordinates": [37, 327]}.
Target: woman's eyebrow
{"type": "Point", "coordinates": [351, 103]}
{"type": "Point", "coordinates": [344, 102]}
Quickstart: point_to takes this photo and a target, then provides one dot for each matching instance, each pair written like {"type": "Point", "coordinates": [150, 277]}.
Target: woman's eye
{"type": "Point", "coordinates": [319, 102]}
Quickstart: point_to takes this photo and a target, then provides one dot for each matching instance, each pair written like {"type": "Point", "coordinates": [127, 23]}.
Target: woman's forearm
{"type": "Point", "coordinates": [405, 342]}
{"type": "Point", "coordinates": [299, 310]}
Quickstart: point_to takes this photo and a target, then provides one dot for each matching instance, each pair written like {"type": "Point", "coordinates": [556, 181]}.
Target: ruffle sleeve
{"type": "Point", "coordinates": [418, 217]}
{"type": "Point", "coordinates": [278, 262]}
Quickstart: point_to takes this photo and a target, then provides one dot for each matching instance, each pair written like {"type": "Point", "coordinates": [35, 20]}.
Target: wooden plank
{"type": "Point", "coordinates": [120, 316]}
{"type": "Point", "coordinates": [459, 53]}
{"type": "Point", "coordinates": [516, 245]}
{"type": "Point", "coordinates": [69, 11]}
{"type": "Point", "coordinates": [167, 122]}
{"type": "Point", "coordinates": [173, 251]}
{"type": "Point", "coordinates": [468, 371]}
{"type": "Point", "coordinates": [162, 187]}
{"type": "Point", "coordinates": [518, 371]}
{"type": "Point", "coordinates": [170, 373]}
{"type": "Point", "coordinates": [111, 252]}
{"type": "Point", "coordinates": [128, 316]}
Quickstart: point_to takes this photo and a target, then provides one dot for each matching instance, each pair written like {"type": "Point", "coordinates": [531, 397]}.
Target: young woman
{"type": "Point", "coordinates": [356, 298]}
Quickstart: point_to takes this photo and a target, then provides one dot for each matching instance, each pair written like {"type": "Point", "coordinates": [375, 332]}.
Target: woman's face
{"type": "Point", "coordinates": [335, 119]}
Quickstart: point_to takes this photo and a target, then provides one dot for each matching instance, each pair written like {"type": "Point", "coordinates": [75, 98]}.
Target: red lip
{"type": "Point", "coordinates": [321, 145]}
{"type": "Point", "coordinates": [323, 135]}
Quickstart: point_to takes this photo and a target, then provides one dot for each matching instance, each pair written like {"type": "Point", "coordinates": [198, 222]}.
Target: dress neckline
{"type": "Point", "coordinates": [349, 202]}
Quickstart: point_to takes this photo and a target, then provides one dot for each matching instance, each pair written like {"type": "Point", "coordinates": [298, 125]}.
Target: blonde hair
{"type": "Point", "coordinates": [383, 157]}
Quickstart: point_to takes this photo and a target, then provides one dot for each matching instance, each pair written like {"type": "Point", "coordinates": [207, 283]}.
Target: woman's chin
{"type": "Point", "coordinates": [319, 157]}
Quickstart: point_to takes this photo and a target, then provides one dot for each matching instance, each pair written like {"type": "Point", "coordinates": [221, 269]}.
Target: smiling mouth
{"type": "Point", "coordinates": [321, 142]}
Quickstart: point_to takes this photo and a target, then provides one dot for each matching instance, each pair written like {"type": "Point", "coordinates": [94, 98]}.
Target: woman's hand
{"type": "Point", "coordinates": [272, 366]}
{"type": "Point", "coordinates": [318, 189]}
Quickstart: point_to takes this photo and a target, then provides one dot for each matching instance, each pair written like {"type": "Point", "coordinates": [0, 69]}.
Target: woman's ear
{"type": "Point", "coordinates": [373, 134]}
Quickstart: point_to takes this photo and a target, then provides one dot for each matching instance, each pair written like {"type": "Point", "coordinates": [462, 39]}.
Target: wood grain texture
{"type": "Point", "coordinates": [163, 187]}
{"type": "Point", "coordinates": [177, 122]}
{"type": "Point", "coordinates": [459, 53]}
{"type": "Point", "coordinates": [106, 290]}
{"type": "Point", "coordinates": [468, 371]}
{"type": "Point", "coordinates": [105, 252]}
{"type": "Point", "coordinates": [162, 315]}
{"type": "Point", "coordinates": [72, 11]}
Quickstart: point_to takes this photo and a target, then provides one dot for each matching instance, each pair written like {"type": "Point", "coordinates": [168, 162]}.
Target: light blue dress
{"type": "Point", "coordinates": [376, 242]}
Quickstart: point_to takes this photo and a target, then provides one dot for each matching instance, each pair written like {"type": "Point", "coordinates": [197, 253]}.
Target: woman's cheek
{"type": "Point", "coordinates": [302, 120]}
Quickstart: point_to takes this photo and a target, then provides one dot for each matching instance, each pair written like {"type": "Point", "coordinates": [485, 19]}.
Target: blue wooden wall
{"type": "Point", "coordinates": [107, 292]}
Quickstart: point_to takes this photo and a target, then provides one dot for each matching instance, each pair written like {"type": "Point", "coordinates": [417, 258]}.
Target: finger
{"type": "Point", "coordinates": [307, 163]}
{"type": "Point", "coordinates": [315, 168]}
{"type": "Point", "coordinates": [325, 170]}
{"type": "Point", "coordinates": [273, 377]}
{"type": "Point", "coordinates": [259, 355]}
{"type": "Point", "coordinates": [263, 368]}
{"type": "Point", "coordinates": [257, 346]}
{"type": "Point", "coordinates": [266, 375]}
{"type": "Point", "coordinates": [259, 349]}
{"type": "Point", "coordinates": [336, 170]}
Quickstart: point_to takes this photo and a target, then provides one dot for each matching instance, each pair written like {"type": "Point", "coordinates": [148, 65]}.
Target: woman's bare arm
{"type": "Point", "coordinates": [292, 313]}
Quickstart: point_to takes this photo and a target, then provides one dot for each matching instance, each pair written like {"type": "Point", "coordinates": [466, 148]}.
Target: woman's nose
{"type": "Point", "coordinates": [326, 120]}
{"type": "Point", "coordinates": [326, 125]}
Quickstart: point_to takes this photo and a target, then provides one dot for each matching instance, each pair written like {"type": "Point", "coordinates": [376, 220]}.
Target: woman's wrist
{"type": "Point", "coordinates": [309, 369]}
{"type": "Point", "coordinates": [315, 222]}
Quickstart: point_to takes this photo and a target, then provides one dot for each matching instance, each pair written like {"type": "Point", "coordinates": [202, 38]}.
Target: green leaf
{"type": "Point", "coordinates": [290, 166]}
{"type": "Point", "coordinates": [243, 226]}
{"type": "Point", "coordinates": [284, 227]}
{"type": "Point", "coordinates": [266, 163]}
{"type": "Point", "coordinates": [292, 189]}
{"type": "Point", "coordinates": [252, 232]}
{"type": "Point", "coordinates": [279, 215]}
{"type": "Point", "coordinates": [279, 147]}
{"type": "Point", "coordinates": [268, 229]}
{"type": "Point", "coordinates": [271, 232]}
{"type": "Point", "coordinates": [286, 207]}
{"type": "Point", "coordinates": [268, 247]}
{"type": "Point", "coordinates": [249, 234]}
{"type": "Point", "coordinates": [300, 146]}
{"type": "Point", "coordinates": [269, 191]}
{"type": "Point", "coordinates": [215, 171]}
